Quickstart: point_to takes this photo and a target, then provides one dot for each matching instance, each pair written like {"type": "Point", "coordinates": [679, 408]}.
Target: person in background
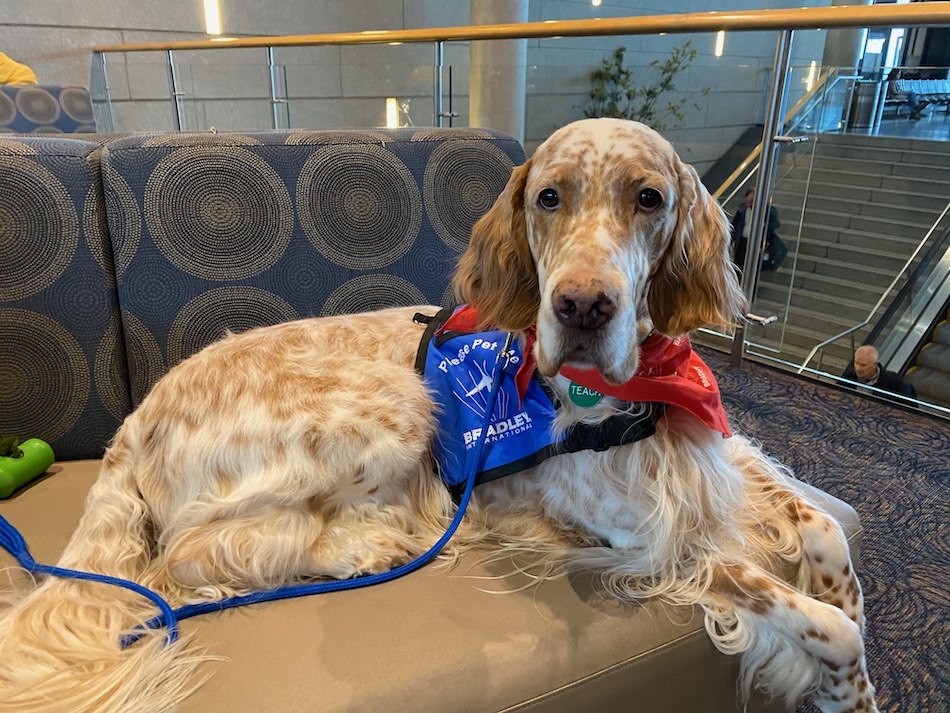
{"type": "Point", "coordinates": [13, 72]}
{"type": "Point", "coordinates": [866, 369]}
{"type": "Point", "coordinates": [895, 92]}
{"type": "Point", "coordinates": [741, 223]}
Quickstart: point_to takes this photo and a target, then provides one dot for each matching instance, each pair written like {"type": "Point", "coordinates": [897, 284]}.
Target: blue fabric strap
{"type": "Point", "coordinates": [12, 541]}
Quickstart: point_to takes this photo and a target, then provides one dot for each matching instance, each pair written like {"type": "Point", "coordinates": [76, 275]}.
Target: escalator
{"type": "Point", "coordinates": [914, 332]}
{"type": "Point", "coordinates": [930, 374]}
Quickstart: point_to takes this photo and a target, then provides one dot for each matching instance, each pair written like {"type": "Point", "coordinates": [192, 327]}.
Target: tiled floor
{"type": "Point", "coordinates": [934, 125]}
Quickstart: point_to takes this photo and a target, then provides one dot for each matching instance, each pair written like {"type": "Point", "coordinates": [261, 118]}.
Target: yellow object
{"type": "Point", "coordinates": [12, 72]}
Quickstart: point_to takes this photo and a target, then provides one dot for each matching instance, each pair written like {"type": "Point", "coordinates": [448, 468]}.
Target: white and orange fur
{"type": "Point", "coordinates": [303, 450]}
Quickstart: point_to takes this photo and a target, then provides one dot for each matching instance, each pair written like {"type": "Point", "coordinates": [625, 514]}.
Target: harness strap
{"type": "Point", "coordinates": [618, 430]}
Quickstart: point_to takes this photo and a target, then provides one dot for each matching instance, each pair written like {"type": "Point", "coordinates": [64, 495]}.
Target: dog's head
{"type": "Point", "coordinates": [602, 235]}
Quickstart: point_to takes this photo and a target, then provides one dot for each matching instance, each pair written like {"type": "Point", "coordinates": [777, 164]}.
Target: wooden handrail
{"type": "Point", "coordinates": [905, 15]}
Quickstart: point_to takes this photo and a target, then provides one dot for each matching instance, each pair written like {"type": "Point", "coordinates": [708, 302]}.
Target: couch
{"type": "Point", "coordinates": [124, 255]}
{"type": "Point", "coordinates": [42, 109]}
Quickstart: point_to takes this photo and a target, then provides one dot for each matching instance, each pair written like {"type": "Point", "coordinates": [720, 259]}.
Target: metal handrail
{"type": "Point", "coordinates": [756, 152]}
{"type": "Point", "coordinates": [908, 288]}
{"type": "Point", "coordinates": [789, 115]}
{"type": "Point", "coordinates": [876, 307]}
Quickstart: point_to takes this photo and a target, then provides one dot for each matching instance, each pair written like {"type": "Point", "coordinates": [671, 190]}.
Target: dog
{"type": "Point", "coordinates": [603, 240]}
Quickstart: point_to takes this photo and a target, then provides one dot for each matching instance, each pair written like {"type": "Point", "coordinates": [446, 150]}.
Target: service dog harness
{"type": "Point", "coordinates": [455, 360]}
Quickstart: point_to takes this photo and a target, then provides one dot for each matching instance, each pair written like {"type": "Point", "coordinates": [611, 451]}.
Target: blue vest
{"type": "Point", "coordinates": [457, 369]}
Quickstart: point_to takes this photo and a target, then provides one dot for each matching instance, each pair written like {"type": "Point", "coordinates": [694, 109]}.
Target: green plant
{"type": "Point", "coordinates": [614, 92]}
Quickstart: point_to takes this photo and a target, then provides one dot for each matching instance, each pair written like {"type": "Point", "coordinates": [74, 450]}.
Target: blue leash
{"type": "Point", "coordinates": [12, 541]}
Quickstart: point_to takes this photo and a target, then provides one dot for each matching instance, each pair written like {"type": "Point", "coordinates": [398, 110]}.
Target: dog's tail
{"type": "Point", "coordinates": [60, 645]}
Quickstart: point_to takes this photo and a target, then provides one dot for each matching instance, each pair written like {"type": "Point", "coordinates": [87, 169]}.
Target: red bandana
{"type": "Point", "coordinates": [670, 372]}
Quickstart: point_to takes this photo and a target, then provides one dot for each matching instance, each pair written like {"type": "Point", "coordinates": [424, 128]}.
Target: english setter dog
{"type": "Point", "coordinates": [305, 450]}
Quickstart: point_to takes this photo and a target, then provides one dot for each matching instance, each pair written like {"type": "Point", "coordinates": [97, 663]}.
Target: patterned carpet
{"type": "Point", "coordinates": [894, 468]}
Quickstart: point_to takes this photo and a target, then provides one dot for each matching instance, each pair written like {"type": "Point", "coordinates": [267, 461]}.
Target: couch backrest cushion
{"type": "Point", "coordinates": [216, 232]}
{"type": "Point", "coordinates": [39, 109]}
{"type": "Point", "coordinates": [63, 374]}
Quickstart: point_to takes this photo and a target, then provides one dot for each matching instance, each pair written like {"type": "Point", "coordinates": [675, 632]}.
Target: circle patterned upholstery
{"type": "Point", "coordinates": [191, 140]}
{"type": "Point", "coordinates": [359, 205]}
{"type": "Point", "coordinates": [44, 375]}
{"type": "Point", "coordinates": [111, 372]}
{"type": "Point", "coordinates": [76, 104]}
{"type": "Point", "coordinates": [125, 221]}
{"type": "Point", "coordinates": [365, 293]}
{"type": "Point", "coordinates": [218, 213]}
{"type": "Point", "coordinates": [462, 180]}
{"type": "Point", "coordinates": [7, 109]}
{"type": "Point", "coordinates": [144, 356]}
{"type": "Point", "coordinates": [37, 104]}
{"type": "Point", "coordinates": [325, 138]}
{"type": "Point", "coordinates": [213, 314]}
{"type": "Point", "coordinates": [39, 228]}
{"type": "Point", "coordinates": [31, 108]}
{"type": "Point", "coordinates": [145, 249]}
{"type": "Point", "coordinates": [10, 147]}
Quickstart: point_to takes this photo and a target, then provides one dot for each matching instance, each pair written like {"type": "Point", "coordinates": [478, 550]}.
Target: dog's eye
{"type": "Point", "coordinates": [649, 199]}
{"type": "Point", "coordinates": [548, 199]}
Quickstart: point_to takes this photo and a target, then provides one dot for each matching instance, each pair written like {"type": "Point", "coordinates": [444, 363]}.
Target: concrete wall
{"type": "Point", "coordinates": [331, 87]}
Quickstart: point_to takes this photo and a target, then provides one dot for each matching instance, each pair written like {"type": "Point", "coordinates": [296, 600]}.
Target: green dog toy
{"type": "Point", "coordinates": [19, 464]}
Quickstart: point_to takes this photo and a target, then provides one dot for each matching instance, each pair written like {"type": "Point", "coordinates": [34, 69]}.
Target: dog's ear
{"type": "Point", "coordinates": [694, 283]}
{"type": "Point", "coordinates": [497, 272]}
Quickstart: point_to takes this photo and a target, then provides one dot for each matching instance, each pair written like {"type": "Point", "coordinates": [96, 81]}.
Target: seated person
{"type": "Point", "coordinates": [866, 369]}
{"type": "Point", "coordinates": [12, 72]}
{"type": "Point", "coordinates": [894, 92]}
{"type": "Point", "coordinates": [741, 223]}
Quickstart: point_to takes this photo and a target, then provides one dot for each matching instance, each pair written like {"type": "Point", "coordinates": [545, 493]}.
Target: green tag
{"type": "Point", "coordinates": [584, 397]}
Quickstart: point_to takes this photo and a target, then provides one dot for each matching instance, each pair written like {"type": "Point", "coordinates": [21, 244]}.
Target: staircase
{"type": "Point", "coordinates": [870, 201]}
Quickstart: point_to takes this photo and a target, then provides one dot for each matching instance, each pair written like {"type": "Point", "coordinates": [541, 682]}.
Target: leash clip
{"type": "Point", "coordinates": [505, 352]}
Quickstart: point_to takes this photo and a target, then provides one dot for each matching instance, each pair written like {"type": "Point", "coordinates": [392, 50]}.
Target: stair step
{"type": "Point", "coordinates": [838, 287]}
{"type": "Point", "coordinates": [888, 154]}
{"type": "Point", "coordinates": [916, 171]}
{"type": "Point", "coordinates": [871, 143]}
{"type": "Point", "coordinates": [864, 274]}
{"type": "Point", "coordinates": [804, 336]}
{"type": "Point", "coordinates": [822, 175]}
{"type": "Point", "coordinates": [819, 325]}
{"type": "Point", "coordinates": [866, 229]}
{"type": "Point", "coordinates": [872, 163]}
{"type": "Point", "coordinates": [936, 356]}
{"type": "Point", "coordinates": [775, 296]}
{"type": "Point", "coordinates": [889, 219]}
{"type": "Point", "coordinates": [931, 385]}
{"type": "Point", "coordinates": [941, 334]}
{"type": "Point", "coordinates": [853, 254]}
{"type": "Point", "coordinates": [880, 196]}
{"type": "Point", "coordinates": [895, 244]}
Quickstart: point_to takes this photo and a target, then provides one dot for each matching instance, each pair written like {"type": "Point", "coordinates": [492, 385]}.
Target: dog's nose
{"type": "Point", "coordinates": [585, 306]}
